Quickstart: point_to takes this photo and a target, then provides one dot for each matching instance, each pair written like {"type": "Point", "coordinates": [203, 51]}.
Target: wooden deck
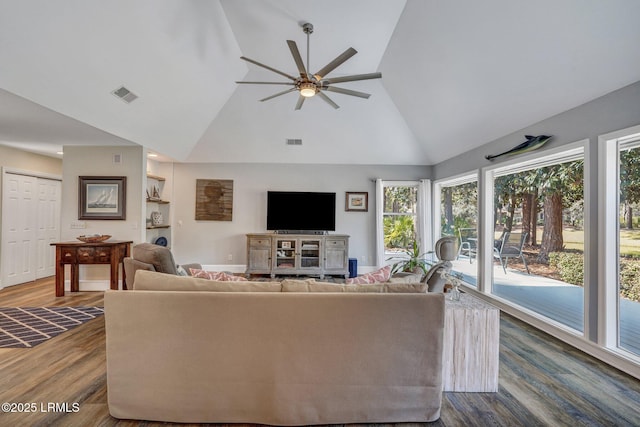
{"type": "Point", "coordinates": [559, 301]}
{"type": "Point", "coordinates": [542, 381]}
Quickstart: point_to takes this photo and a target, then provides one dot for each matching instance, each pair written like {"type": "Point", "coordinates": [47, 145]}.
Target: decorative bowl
{"type": "Point", "coordinates": [94, 238]}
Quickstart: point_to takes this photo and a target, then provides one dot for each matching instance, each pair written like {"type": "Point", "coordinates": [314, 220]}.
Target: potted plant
{"type": "Point", "coordinates": [411, 261]}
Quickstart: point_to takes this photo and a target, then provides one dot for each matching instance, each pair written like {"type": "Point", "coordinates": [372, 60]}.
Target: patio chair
{"type": "Point", "coordinates": [468, 239]}
{"type": "Point", "coordinates": [505, 250]}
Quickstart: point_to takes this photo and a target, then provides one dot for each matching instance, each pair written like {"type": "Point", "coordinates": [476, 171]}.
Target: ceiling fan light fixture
{"type": "Point", "coordinates": [308, 89]}
{"type": "Point", "coordinates": [307, 84]}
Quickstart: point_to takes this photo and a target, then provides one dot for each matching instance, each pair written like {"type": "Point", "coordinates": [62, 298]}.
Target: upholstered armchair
{"type": "Point", "coordinates": [147, 256]}
{"type": "Point", "coordinates": [446, 249]}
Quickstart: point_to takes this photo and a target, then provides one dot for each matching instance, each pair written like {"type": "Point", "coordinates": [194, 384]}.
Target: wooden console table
{"type": "Point", "coordinates": [75, 253]}
{"type": "Point", "coordinates": [471, 345]}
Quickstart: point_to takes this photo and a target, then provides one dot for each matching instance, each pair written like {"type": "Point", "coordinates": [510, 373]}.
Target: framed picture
{"type": "Point", "coordinates": [358, 202]}
{"type": "Point", "coordinates": [102, 197]}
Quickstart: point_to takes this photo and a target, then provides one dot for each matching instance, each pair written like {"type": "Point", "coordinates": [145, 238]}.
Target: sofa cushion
{"type": "Point", "coordinates": [153, 281]}
{"type": "Point", "coordinates": [329, 287]}
{"type": "Point", "coordinates": [406, 278]}
{"type": "Point", "coordinates": [387, 288]}
{"type": "Point", "coordinates": [297, 282]}
{"type": "Point", "coordinates": [220, 276]}
{"type": "Point", "coordinates": [404, 288]}
{"type": "Point", "coordinates": [379, 276]}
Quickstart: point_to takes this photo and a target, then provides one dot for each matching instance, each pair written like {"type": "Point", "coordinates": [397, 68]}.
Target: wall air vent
{"type": "Point", "coordinates": [125, 94]}
{"type": "Point", "coordinates": [294, 142]}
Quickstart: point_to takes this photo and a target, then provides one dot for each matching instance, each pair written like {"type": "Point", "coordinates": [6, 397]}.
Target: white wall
{"type": "Point", "coordinates": [211, 242]}
{"type": "Point", "coordinates": [98, 161]}
{"type": "Point", "coordinates": [18, 159]}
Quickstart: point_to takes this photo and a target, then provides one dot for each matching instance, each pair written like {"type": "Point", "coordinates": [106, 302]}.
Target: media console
{"type": "Point", "coordinates": [298, 254]}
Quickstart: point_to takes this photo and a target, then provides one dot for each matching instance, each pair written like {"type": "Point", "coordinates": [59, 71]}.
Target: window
{"type": "Point", "coordinates": [457, 202]}
{"type": "Point", "coordinates": [401, 217]}
{"type": "Point", "coordinates": [537, 236]}
{"type": "Point", "coordinates": [620, 168]}
{"type": "Point", "coordinates": [628, 286]}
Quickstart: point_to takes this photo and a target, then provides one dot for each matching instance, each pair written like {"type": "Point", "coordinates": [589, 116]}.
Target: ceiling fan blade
{"type": "Point", "coordinates": [347, 92]}
{"type": "Point", "coordinates": [277, 94]}
{"type": "Point", "coordinates": [267, 67]}
{"type": "Point", "coordinates": [353, 78]}
{"type": "Point", "coordinates": [266, 83]}
{"type": "Point", "coordinates": [335, 63]}
{"type": "Point", "coordinates": [293, 47]}
{"type": "Point", "coordinates": [300, 102]}
{"type": "Point", "coordinates": [328, 100]}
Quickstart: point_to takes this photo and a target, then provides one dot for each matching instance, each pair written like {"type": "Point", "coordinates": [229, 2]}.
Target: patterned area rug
{"type": "Point", "coordinates": [24, 327]}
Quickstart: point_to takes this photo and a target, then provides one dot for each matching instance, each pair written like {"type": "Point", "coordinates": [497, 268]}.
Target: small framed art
{"type": "Point", "coordinates": [102, 197]}
{"type": "Point", "coordinates": [356, 201]}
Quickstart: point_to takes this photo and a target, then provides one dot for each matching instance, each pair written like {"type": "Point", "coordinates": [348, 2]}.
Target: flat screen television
{"type": "Point", "coordinates": [301, 211]}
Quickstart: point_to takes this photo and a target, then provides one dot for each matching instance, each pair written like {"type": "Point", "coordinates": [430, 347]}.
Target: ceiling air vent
{"type": "Point", "coordinates": [294, 142]}
{"type": "Point", "coordinates": [125, 94]}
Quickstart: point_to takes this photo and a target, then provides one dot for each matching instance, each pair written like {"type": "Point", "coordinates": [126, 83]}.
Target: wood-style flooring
{"type": "Point", "coordinates": [543, 382]}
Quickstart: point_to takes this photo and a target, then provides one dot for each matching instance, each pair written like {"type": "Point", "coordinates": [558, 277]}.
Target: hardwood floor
{"type": "Point", "coordinates": [543, 382]}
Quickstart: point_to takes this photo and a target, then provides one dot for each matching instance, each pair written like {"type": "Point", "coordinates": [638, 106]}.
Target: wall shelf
{"type": "Point", "coordinates": [153, 227]}
{"type": "Point", "coordinates": [156, 202]}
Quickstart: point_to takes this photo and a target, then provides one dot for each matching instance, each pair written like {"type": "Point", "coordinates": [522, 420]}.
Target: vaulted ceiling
{"type": "Point", "coordinates": [456, 74]}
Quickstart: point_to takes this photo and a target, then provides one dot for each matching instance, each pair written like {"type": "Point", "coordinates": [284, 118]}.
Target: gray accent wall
{"type": "Point", "coordinates": [614, 111]}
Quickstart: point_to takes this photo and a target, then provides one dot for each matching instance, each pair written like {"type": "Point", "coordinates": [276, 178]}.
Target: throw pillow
{"type": "Point", "coordinates": [381, 275]}
{"type": "Point", "coordinates": [220, 276]}
{"type": "Point", "coordinates": [181, 271]}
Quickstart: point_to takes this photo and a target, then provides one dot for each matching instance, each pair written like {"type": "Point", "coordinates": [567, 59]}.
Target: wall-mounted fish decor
{"type": "Point", "coordinates": [532, 143]}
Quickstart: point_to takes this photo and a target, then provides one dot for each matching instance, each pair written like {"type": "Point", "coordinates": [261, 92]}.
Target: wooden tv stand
{"type": "Point", "coordinates": [298, 254]}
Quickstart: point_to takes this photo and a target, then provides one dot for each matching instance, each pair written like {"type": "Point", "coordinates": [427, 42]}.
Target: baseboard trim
{"type": "Point", "coordinates": [91, 285]}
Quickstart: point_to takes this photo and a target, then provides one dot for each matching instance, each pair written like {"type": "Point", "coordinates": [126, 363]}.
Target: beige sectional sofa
{"type": "Point", "coordinates": [182, 349]}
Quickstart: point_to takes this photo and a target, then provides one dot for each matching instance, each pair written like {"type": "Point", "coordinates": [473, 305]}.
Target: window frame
{"type": "Point", "coordinates": [423, 215]}
{"type": "Point", "coordinates": [609, 146]}
{"type": "Point", "coordinates": [567, 152]}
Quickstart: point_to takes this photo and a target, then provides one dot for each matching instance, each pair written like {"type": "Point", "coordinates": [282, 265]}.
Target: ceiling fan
{"type": "Point", "coordinates": [309, 85]}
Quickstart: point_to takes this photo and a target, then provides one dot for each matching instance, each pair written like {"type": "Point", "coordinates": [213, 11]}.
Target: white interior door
{"type": "Point", "coordinates": [30, 222]}
{"type": "Point", "coordinates": [19, 194]}
{"type": "Point", "coordinates": [48, 226]}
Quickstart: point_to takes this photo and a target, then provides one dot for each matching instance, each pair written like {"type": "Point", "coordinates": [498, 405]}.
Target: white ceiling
{"type": "Point", "coordinates": [456, 74]}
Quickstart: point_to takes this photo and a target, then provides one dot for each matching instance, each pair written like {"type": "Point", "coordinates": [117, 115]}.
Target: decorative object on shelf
{"type": "Point", "coordinates": [102, 197]}
{"type": "Point", "coordinates": [356, 201]}
{"type": "Point", "coordinates": [532, 143]}
{"type": "Point", "coordinates": [155, 194]}
{"type": "Point", "coordinates": [94, 238]}
{"type": "Point", "coordinates": [214, 200]}
{"type": "Point", "coordinates": [156, 218]}
{"type": "Point", "coordinates": [161, 241]}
